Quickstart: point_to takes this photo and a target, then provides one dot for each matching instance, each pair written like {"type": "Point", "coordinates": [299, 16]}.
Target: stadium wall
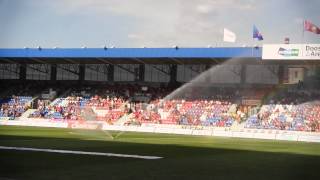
{"type": "Point", "coordinates": [174, 129]}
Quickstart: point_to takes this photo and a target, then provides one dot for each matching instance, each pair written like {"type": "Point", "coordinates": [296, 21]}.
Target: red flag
{"type": "Point", "coordinates": [308, 26]}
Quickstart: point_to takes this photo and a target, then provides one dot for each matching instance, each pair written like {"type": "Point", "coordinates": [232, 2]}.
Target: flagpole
{"type": "Point", "coordinates": [252, 40]}
{"type": "Point", "coordinates": [303, 41]}
{"type": "Point", "coordinates": [303, 22]}
{"type": "Point", "coordinates": [252, 46]}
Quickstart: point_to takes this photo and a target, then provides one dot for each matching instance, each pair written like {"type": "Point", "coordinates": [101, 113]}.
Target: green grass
{"type": "Point", "coordinates": [185, 157]}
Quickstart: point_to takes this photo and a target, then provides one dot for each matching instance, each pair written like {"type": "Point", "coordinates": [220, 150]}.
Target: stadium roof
{"type": "Point", "coordinates": [127, 55]}
{"type": "Point", "coordinates": [133, 52]}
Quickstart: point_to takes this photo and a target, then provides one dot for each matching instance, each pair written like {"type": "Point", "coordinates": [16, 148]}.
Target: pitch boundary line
{"type": "Point", "coordinates": [81, 152]}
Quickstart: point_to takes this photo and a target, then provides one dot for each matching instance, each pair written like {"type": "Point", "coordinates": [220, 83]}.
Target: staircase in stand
{"type": "Point", "coordinates": [26, 114]}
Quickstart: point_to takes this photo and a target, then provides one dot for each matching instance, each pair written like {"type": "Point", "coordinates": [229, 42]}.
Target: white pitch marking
{"type": "Point", "coordinates": [80, 152]}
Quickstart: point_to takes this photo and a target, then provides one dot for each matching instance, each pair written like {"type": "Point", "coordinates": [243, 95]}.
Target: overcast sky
{"type": "Point", "coordinates": [152, 23]}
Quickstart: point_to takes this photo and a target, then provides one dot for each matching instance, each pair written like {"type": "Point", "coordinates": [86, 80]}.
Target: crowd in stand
{"type": "Point", "coordinates": [296, 110]}
{"type": "Point", "coordinates": [15, 106]}
{"type": "Point", "coordinates": [197, 106]}
{"type": "Point", "coordinates": [197, 112]}
{"type": "Point", "coordinates": [68, 110]}
{"type": "Point", "coordinates": [118, 101]}
{"type": "Point", "coordinates": [75, 107]}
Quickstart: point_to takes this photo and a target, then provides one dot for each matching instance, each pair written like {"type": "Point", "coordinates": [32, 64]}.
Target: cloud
{"type": "Point", "coordinates": [134, 36]}
{"type": "Point", "coordinates": [161, 23]}
{"type": "Point", "coordinates": [203, 9]}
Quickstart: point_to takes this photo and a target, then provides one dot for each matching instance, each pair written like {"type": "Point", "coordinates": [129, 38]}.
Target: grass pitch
{"type": "Point", "coordinates": [184, 157]}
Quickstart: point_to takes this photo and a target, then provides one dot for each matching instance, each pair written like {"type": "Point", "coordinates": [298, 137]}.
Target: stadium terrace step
{"type": "Point", "coordinates": [233, 109]}
{"type": "Point", "coordinates": [100, 112]}
{"type": "Point", "coordinates": [88, 114]}
{"type": "Point", "coordinates": [237, 126]}
{"type": "Point", "coordinates": [56, 102]}
{"type": "Point", "coordinates": [125, 118]}
{"type": "Point", "coordinates": [26, 114]}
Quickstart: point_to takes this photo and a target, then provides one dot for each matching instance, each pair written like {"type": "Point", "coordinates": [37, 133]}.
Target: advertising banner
{"type": "Point", "coordinates": [84, 125]}
{"type": "Point", "coordinates": [291, 52]}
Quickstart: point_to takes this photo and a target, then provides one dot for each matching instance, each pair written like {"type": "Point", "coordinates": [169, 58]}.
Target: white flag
{"type": "Point", "coordinates": [229, 36]}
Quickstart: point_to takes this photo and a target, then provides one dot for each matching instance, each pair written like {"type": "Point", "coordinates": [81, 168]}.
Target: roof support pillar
{"type": "Point", "coordinates": [82, 72]}
{"type": "Point", "coordinates": [281, 74]}
{"type": "Point", "coordinates": [23, 72]}
{"type": "Point", "coordinates": [243, 74]}
{"type": "Point", "coordinates": [110, 73]}
{"type": "Point", "coordinates": [53, 73]}
{"type": "Point", "coordinates": [173, 73]}
{"type": "Point", "coordinates": [141, 72]}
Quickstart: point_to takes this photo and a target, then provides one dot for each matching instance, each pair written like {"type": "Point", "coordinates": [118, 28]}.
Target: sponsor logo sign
{"type": "Point", "coordinates": [288, 52]}
{"type": "Point", "coordinates": [84, 125]}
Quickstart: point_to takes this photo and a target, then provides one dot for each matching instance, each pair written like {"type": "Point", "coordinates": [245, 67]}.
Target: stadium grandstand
{"type": "Point", "coordinates": [229, 89]}
{"type": "Point", "coordinates": [159, 90]}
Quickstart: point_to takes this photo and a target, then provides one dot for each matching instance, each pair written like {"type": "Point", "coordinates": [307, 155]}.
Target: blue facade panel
{"type": "Point", "coordinates": [243, 52]}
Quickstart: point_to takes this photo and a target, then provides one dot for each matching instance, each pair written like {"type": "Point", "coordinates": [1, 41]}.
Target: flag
{"type": "Point", "coordinates": [309, 26]}
{"type": "Point", "coordinates": [229, 36]}
{"type": "Point", "coordinates": [257, 34]}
